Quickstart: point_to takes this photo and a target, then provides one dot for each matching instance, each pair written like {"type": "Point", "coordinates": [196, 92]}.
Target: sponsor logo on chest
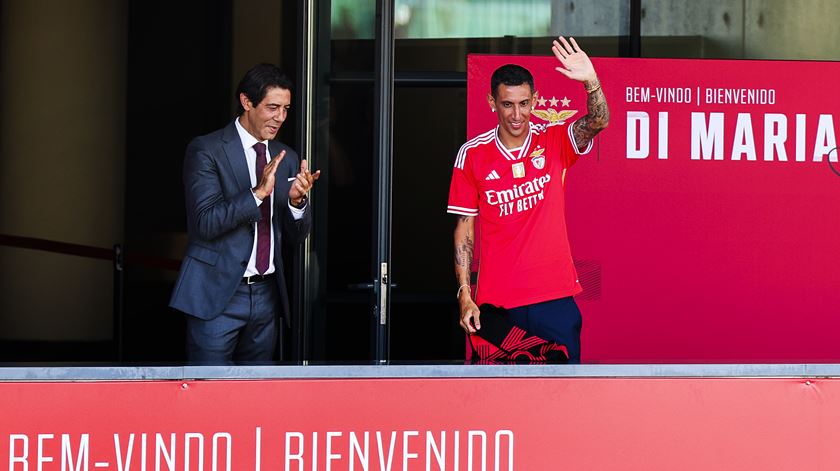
{"type": "Point", "coordinates": [519, 197]}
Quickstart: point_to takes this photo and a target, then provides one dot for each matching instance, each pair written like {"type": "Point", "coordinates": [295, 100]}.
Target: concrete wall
{"type": "Point", "coordinates": [744, 29]}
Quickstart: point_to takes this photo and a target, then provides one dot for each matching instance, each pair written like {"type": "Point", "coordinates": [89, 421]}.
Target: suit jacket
{"type": "Point", "coordinates": [221, 213]}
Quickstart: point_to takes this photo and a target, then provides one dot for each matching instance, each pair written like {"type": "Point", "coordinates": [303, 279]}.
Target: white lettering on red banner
{"type": "Point", "coordinates": [299, 451]}
{"type": "Point", "coordinates": [711, 198]}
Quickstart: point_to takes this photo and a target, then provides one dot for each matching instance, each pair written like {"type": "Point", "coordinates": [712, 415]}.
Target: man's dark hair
{"type": "Point", "coordinates": [510, 75]}
{"type": "Point", "coordinates": [257, 81]}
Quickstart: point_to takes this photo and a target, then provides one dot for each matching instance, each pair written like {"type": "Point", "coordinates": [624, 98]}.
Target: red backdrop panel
{"type": "Point", "coordinates": [719, 239]}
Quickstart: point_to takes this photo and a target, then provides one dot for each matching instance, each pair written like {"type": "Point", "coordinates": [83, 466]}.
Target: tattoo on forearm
{"type": "Point", "coordinates": [597, 118]}
{"type": "Point", "coordinates": [464, 257]}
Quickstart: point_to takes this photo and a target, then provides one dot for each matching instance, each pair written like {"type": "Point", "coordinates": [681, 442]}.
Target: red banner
{"type": "Point", "coordinates": [423, 424]}
{"type": "Point", "coordinates": [705, 222]}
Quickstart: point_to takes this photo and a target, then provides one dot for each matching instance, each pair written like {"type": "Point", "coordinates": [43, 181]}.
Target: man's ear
{"type": "Point", "coordinates": [491, 101]}
{"type": "Point", "coordinates": [245, 102]}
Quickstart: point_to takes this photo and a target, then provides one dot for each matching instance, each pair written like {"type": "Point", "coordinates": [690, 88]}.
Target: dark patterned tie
{"type": "Point", "coordinates": [264, 224]}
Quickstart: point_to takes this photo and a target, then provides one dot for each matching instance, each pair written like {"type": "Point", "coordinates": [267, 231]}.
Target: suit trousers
{"type": "Point", "coordinates": [244, 333]}
{"type": "Point", "coordinates": [558, 320]}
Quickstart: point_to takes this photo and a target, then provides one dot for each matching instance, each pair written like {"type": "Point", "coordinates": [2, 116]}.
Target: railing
{"type": "Point", "coordinates": [116, 255]}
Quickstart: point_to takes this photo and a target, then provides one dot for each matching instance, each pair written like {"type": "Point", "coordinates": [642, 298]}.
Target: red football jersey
{"type": "Point", "coordinates": [518, 197]}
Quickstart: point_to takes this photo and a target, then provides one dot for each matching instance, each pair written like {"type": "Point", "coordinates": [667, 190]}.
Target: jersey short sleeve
{"type": "Point", "coordinates": [463, 189]}
{"type": "Point", "coordinates": [562, 136]}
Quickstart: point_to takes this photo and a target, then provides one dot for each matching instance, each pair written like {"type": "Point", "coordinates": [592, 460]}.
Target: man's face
{"type": "Point", "coordinates": [264, 120]}
{"type": "Point", "coordinates": [513, 105]}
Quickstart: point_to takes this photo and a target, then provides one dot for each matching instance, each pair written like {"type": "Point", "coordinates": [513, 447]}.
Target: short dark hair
{"type": "Point", "coordinates": [510, 75]}
{"type": "Point", "coordinates": [257, 81]}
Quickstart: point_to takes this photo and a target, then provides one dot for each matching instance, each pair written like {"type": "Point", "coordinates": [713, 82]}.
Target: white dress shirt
{"type": "Point", "coordinates": [248, 142]}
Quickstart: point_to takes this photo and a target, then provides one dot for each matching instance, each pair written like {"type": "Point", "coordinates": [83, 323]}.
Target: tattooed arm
{"type": "Point", "coordinates": [464, 242]}
{"type": "Point", "coordinates": [597, 118]}
{"type": "Point", "coordinates": [577, 66]}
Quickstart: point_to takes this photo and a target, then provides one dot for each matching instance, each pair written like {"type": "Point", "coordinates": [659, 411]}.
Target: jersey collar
{"type": "Point", "coordinates": [522, 150]}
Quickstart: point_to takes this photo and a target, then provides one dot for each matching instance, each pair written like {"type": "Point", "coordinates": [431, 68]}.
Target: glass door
{"type": "Point", "coordinates": [376, 155]}
{"type": "Point", "coordinates": [351, 229]}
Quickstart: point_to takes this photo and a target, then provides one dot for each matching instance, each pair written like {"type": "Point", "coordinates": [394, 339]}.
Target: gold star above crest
{"type": "Point", "coordinates": [541, 101]}
{"type": "Point", "coordinates": [565, 101]}
{"type": "Point", "coordinates": [553, 101]}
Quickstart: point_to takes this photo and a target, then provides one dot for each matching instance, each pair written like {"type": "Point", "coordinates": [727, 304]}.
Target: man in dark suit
{"type": "Point", "coordinates": [241, 206]}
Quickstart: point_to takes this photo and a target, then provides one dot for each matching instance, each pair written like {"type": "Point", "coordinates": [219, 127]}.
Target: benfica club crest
{"type": "Point", "coordinates": [537, 158]}
{"type": "Point", "coordinates": [549, 113]}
